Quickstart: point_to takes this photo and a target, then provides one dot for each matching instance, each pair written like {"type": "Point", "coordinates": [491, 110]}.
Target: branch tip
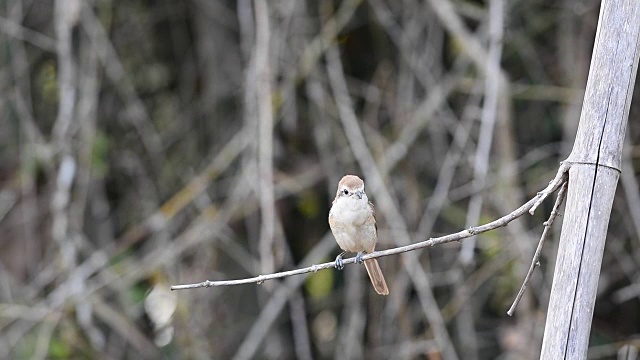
{"type": "Point", "coordinates": [562, 183]}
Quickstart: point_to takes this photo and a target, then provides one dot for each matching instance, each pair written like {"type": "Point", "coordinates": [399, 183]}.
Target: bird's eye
{"type": "Point", "coordinates": [345, 191]}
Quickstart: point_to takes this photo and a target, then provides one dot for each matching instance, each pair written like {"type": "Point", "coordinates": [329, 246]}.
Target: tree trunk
{"type": "Point", "coordinates": [593, 176]}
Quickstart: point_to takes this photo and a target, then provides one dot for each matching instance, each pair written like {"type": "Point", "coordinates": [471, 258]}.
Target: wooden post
{"type": "Point", "coordinates": [593, 175]}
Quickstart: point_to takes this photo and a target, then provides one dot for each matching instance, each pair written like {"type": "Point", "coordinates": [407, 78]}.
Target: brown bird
{"type": "Point", "coordinates": [353, 224]}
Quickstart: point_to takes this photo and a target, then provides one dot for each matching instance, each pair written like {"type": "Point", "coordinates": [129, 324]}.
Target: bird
{"type": "Point", "coordinates": [353, 224]}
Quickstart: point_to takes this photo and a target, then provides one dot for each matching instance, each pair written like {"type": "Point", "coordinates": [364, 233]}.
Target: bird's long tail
{"type": "Point", "coordinates": [375, 274]}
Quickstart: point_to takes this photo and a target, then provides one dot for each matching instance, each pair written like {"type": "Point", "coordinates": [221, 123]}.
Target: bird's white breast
{"type": "Point", "coordinates": [353, 225]}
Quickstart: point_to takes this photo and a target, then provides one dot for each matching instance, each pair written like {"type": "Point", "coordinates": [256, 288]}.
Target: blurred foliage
{"type": "Point", "coordinates": [320, 284]}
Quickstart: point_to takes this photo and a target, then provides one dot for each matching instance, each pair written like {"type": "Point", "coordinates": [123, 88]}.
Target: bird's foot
{"type": "Point", "coordinates": [339, 264]}
{"type": "Point", "coordinates": [359, 257]}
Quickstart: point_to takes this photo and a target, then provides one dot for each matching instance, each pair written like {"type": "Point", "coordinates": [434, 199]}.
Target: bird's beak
{"type": "Point", "coordinates": [359, 194]}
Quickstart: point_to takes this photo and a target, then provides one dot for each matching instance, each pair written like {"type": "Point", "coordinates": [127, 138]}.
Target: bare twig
{"type": "Point", "coordinates": [265, 136]}
{"type": "Point", "coordinates": [498, 223]}
{"type": "Point", "coordinates": [488, 121]}
{"type": "Point", "coordinates": [302, 343]}
{"type": "Point", "coordinates": [553, 185]}
{"type": "Point", "coordinates": [354, 317]}
{"type": "Point", "coordinates": [262, 278]}
{"type": "Point", "coordinates": [20, 32]}
{"type": "Point", "coordinates": [536, 257]}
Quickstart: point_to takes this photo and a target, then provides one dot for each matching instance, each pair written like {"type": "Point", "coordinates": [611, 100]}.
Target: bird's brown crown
{"type": "Point", "coordinates": [351, 182]}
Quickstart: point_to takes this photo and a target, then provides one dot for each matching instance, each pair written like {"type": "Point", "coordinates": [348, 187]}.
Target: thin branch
{"type": "Point", "coordinates": [262, 278]}
{"type": "Point", "coordinates": [265, 136]}
{"type": "Point", "coordinates": [352, 325]}
{"type": "Point", "coordinates": [553, 185]}
{"type": "Point", "coordinates": [20, 32]}
{"type": "Point", "coordinates": [492, 93]}
{"type": "Point", "coordinates": [300, 327]}
{"type": "Point", "coordinates": [536, 257]}
{"type": "Point", "coordinates": [557, 182]}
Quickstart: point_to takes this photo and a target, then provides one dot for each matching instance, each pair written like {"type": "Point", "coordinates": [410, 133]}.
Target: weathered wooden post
{"type": "Point", "coordinates": [593, 176]}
